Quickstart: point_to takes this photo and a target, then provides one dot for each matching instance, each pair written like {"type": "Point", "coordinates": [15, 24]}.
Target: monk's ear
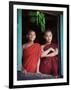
{"type": "Point", "coordinates": [26, 36]}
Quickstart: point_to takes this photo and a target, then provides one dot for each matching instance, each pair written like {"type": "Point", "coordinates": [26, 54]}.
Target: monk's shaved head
{"type": "Point", "coordinates": [30, 32]}
{"type": "Point", "coordinates": [31, 35]}
{"type": "Point", "coordinates": [48, 36]}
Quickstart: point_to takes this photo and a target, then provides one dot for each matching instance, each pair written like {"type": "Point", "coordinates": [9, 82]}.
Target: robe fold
{"type": "Point", "coordinates": [49, 65]}
{"type": "Point", "coordinates": [31, 56]}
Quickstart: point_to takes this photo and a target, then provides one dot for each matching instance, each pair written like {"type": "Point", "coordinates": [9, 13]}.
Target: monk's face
{"type": "Point", "coordinates": [31, 36]}
{"type": "Point", "coordinates": [48, 36]}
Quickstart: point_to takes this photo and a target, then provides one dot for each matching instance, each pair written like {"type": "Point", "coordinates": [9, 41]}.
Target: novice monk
{"type": "Point", "coordinates": [49, 64]}
{"type": "Point", "coordinates": [31, 54]}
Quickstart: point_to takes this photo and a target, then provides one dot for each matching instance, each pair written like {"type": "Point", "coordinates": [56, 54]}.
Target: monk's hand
{"type": "Point", "coordinates": [24, 71]}
{"type": "Point", "coordinates": [43, 54]}
{"type": "Point", "coordinates": [38, 72]}
{"type": "Point", "coordinates": [51, 49]}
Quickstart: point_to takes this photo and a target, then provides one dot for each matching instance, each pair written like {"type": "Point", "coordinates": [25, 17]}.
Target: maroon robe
{"type": "Point", "coordinates": [49, 65]}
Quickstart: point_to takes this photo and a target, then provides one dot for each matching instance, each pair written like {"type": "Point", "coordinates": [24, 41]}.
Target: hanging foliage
{"type": "Point", "coordinates": [38, 18]}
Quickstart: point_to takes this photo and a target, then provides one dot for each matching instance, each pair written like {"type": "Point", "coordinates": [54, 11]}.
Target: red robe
{"type": "Point", "coordinates": [31, 56]}
{"type": "Point", "coordinates": [49, 65]}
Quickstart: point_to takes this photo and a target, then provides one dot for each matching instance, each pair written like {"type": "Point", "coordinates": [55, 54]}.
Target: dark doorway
{"type": "Point", "coordinates": [52, 22]}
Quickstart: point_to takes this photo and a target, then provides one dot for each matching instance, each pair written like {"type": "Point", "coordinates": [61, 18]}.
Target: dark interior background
{"type": "Point", "coordinates": [50, 23]}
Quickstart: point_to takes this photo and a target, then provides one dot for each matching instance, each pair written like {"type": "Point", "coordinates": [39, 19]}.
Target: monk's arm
{"type": "Point", "coordinates": [23, 70]}
{"type": "Point", "coordinates": [53, 53]}
{"type": "Point", "coordinates": [44, 53]}
{"type": "Point", "coordinates": [38, 64]}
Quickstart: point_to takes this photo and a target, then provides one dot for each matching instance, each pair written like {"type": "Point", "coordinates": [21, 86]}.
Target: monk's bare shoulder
{"type": "Point", "coordinates": [42, 46]}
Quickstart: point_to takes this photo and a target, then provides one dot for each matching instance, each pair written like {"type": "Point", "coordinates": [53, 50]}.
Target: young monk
{"type": "Point", "coordinates": [31, 54]}
{"type": "Point", "coordinates": [49, 64]}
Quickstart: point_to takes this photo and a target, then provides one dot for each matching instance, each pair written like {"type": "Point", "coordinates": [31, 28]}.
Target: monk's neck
{"type": "Point", "coordinates": [30, 42]}
{"type": "Point", "coordinates": [48, 42]}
